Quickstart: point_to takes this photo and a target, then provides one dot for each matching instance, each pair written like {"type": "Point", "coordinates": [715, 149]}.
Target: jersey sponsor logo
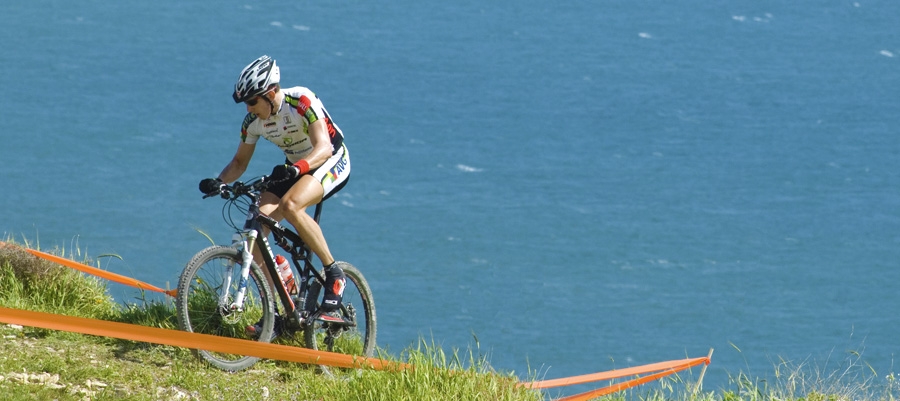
{"type": "Point", "coordinates": [248, 119]}
{"type": "Point", "coordinates": [301, 152]}
{"type": "Point", "coordinates": [304, 107]}
{"type": "Point", "coordinates": [338, 168]}
{"type": "Point", "coordinates": [303, 104]}
{"type": "Point", "coordinates": [331, 130]}
{"type": "Point", "coordinates": [270, 124]}
{"type": "Point", "coordinates": [289, 142]}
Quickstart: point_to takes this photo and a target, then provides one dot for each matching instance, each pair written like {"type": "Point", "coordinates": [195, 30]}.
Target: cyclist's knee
{"type": "Point", "coordinates": [304, 193]}
{"type": "Point", "coordinates": [295, 204]}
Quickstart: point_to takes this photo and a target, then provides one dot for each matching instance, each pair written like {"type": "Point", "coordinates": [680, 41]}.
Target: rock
{"type": "Point", "coordinates": [92, 384]}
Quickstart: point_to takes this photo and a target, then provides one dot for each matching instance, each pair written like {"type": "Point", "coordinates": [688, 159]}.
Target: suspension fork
{"type": "Point", "coordinates": [238, 241]}
{"type": "Point", "coordinates": [248, 241]}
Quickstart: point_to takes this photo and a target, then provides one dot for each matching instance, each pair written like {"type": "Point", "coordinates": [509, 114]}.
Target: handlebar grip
{"type": "Point", "coordinates": [239, 188]}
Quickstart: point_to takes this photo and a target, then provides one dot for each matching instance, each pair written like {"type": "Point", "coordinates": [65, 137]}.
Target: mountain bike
{"type": "Point", "coordinates": [222, 290]}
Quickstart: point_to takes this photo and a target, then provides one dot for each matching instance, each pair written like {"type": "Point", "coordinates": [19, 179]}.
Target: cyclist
{"type": "Point", "coordinates": [317, 163]}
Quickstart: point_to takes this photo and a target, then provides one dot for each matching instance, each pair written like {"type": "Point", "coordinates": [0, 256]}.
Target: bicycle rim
{"type": "Point", "coordinates": [201, 310]}
{"type": "Point", "coordinates": [357, 306]}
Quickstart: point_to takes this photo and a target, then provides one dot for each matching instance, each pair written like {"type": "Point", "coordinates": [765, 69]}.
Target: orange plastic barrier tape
{"type": "Point", "coordinates": [631, 383]}
{"type": "Point", "coordinates": [190, 340]}
{"type": "Point", "coordinates": [615, 374]}
{"type": "Point", "coordinates": [286, 353]}
{"type": "Point", "coordinates": [100, 273]}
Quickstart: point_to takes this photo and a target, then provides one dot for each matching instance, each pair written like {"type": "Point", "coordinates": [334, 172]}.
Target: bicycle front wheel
{"type": "Point", "coordinates": [205, 304]}
{"type": "Point", "coordinates": [357, 308]}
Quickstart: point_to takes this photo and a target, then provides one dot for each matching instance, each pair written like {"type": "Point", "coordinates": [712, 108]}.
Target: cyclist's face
{"type": "Point", "coordinates": [259, 106]}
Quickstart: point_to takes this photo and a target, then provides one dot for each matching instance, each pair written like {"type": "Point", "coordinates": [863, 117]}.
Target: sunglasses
{"type": "Point", "coordinates": [255, 100]}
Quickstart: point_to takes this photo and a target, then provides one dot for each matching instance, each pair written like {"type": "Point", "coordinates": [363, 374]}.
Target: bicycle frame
{"type": "Point", "coordinates": [250, 237]}
{"type": "Point", "coordinates": [248, 296]}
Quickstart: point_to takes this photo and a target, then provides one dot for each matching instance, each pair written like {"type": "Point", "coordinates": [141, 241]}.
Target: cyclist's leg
{"type": "Point", "coordinates": [268, 205]}
{"type": "Point", "coordinates": [310, 190]}
{"type": "Point", "coordinates": [307, 191]}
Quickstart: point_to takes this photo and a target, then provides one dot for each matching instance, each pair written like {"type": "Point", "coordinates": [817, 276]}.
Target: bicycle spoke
{"type": "Point", "coordinates": [355, 334]}
{"type": "Point", "coordinates": [202, 310]}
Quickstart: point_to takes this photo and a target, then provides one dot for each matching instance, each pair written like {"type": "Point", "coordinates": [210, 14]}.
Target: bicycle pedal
{"type": "Point", "coordinates": [323, 317]}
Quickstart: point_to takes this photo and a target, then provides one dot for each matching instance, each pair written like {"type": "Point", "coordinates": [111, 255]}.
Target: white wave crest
{"type": "Point", "coordinates": [468, 169]}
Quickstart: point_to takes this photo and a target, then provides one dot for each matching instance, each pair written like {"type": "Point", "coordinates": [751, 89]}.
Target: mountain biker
{"type": "Point", "coordinates": [317, 162]}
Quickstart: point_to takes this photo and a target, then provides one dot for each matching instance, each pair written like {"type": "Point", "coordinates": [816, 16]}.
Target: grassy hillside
{"type": "Point", "coordinates": [44, 364]}
{"type": "Point", "coordinates": [49, 365]}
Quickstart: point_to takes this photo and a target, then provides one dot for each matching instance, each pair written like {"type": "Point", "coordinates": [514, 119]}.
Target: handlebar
{"type": "Point", "coordinates": [253, 189]}
{"type": "Point", "coordinates": [237, 189]}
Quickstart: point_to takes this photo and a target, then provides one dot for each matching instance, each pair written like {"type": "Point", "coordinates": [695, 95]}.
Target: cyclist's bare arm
{"type": "Point", "coordinates": [321, 142]}
{"type": "Point", "coordinates": [238, 163]}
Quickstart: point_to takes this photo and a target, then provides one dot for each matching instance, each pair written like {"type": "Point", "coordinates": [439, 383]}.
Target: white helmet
{"type": "Point", "coordinates": [256, 78]}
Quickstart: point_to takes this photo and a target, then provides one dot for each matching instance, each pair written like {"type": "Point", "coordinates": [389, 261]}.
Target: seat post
{"type": "Point", "coordinates": [318, 212]}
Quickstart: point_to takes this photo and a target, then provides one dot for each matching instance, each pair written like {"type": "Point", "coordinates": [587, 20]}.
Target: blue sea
{"type": "Point", "coordinates": [565, 188]}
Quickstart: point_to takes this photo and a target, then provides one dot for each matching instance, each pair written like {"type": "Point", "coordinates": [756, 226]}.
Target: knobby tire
{"type": "Point", "coordinates": [198, 309]}
{"type": "Point", "coordinates": [359, 340]}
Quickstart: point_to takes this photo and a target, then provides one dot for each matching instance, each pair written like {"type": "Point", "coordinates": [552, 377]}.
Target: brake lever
{"type": "Point", "coordinates": [263, 183]}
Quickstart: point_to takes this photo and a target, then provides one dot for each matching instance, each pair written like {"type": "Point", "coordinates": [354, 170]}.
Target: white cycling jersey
{"type": "Point", "coordinates": [288, 128]}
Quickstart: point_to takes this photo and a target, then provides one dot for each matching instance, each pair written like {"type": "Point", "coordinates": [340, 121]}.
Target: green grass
{"type": "Point", "coordinates": [39, 364]}
{"type": "Point", "coordinates": [44, 364]}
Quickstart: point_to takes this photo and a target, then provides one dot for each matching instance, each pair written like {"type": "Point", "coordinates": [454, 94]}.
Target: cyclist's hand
{"type": "Point", "coordinates": [211, 185]}
{"type": "Point", "coordinates": [283, 172]}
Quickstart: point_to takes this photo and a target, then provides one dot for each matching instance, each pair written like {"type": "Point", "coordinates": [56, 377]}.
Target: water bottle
{"type": "Point", "coordinates": [287, 276]}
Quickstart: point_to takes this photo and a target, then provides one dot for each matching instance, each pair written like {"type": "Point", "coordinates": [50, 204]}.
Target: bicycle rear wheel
{"type": "Point", "coordinates": [206, 291]}
{"type": "Point", "coordinates": [357, 307]}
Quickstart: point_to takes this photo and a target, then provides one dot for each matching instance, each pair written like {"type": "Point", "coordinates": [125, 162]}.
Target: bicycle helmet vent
{"type": "Point", "coordinates": [256, 78]}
